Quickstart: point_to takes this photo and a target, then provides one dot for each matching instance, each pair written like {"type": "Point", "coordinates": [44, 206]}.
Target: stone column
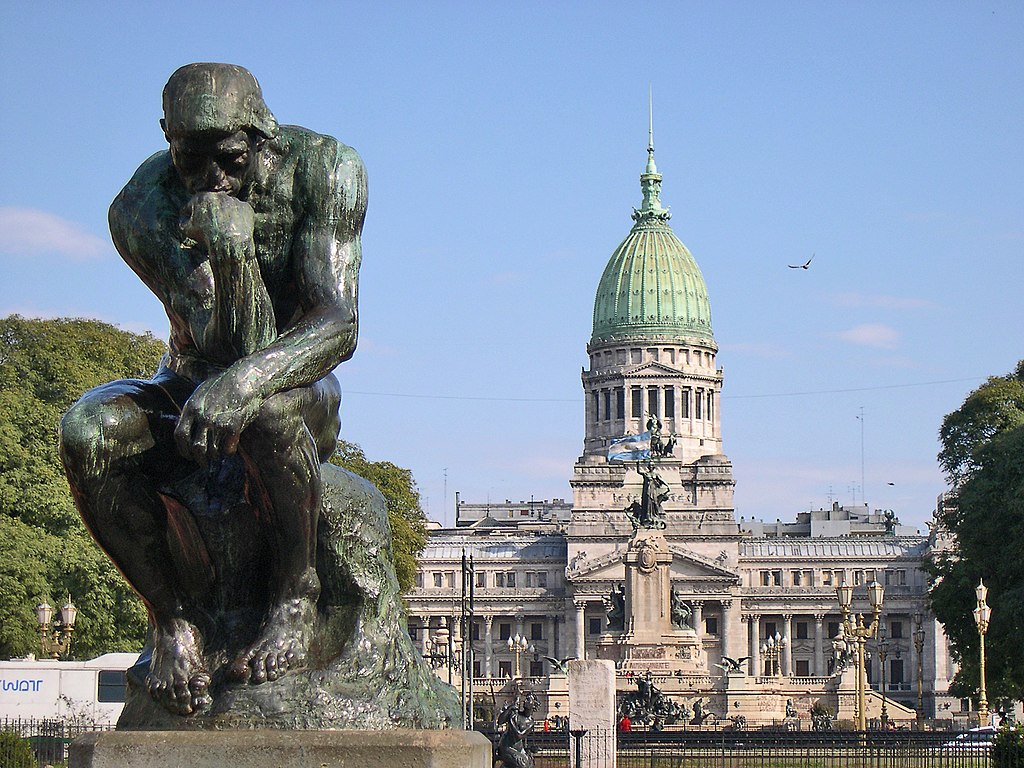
{"type": "Point", "coordinates": [519, 626]}
{"type": "Point", "coordinates": [581, 640]}
{"type": "Point", "coordinates": [425, 638]}
{"type": "Point", "coordinates": [755, 644]}
{"type": "Point", "coordinates": [728, 631]}
{"type": "Point", "coordinates": [819, 648]}
{"type": "Point", "coordinates": [488, 642]}
{"type": "Point", "coordinates": [787, 649]}
{"type": "Point", "coordinates": [698, 619]}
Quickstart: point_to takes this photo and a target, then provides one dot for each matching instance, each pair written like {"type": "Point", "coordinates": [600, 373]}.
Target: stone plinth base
{"type": "Point", "coordinates": [281, 749]}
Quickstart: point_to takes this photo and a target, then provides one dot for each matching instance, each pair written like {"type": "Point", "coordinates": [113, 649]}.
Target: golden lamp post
{"type": "Point", "coordinates": [919, 647]}
{"type": "Point", "coordinates": [982, 616]}
{"type": "Point", "coordinates": [861, 631]}
{"type": "Point", "coordinates": [517, 646]}
{"type": "Point", "coordinates": [55, 631]}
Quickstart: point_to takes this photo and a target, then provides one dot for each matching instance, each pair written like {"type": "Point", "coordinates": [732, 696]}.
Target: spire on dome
{"type": "Point", "coordinates": [650, 179]}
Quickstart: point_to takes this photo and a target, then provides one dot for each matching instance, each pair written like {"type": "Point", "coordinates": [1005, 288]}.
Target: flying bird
{"type": "Point", "coordinates": [805, 265]}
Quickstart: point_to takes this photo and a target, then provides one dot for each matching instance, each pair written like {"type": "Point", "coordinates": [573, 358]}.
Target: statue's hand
{"type": "Point", "coordinates": [218, 223]}
{"type": "Point", "coordinates": [213, 419]}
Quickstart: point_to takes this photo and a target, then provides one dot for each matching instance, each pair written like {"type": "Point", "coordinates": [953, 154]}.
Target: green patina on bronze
{"type": "Point", "coordinates": [268, 576]}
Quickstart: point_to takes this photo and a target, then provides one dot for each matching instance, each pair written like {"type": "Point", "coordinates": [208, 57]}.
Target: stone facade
{"type": "Point", "coordinates": [699, 587]}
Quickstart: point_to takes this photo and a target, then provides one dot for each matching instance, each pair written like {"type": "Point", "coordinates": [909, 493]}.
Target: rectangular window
{"type": "Point", "coordinates": [652, 401]}
{"type": "Point", "coordinates": [414, 632]}
{"type": "Point", "coordinates": [481, 579]}
{"type": "Point", "coordinates": [637, 403]}
{"type": "Point", "coordinates": [419, 579]}
{"type": "Point", "coordinates": [801, 630]}
{"type": "Point", "coordinates": [536, 669]}
{"type": "Point", "coordinates": [798, 579]}
{"type": "Point", "coordinates": [901, 578]}
{"type": "Point", "coordinates": [438, 579]}
{"type": "Point", "coordinates": [858, 578]}
{"type": "Point", "coordinates": [670, 403]}
{"type": "Point", "coordinates": [537, 579]}
{"type": "Point", "coordinates": [635, 356]}
{"type": "Point", "coordinates": [670, 355]}
{"type": "Point", "coordinates": [607, 405]}
{"type": "Point", "coordinates": [620, 403]}
{"type": "Point", "coordinates": [449, 580]}
{"type": "Point", "coordinates": [504, 631]}
{"type": "Point", "coordinates": [474, 631]}
{"type": "Point", "coordinates": [478, 669]}
{"type": "Point", "coordinates": [536, 631]}
{"type": "Point", "coordinates": [766, 578]}
{"type": "Point", "coordinates": [698, 403]}
{"type": "Point", "coordinates": [803, 668]}
{"type": "Point", "coordinates": [770, 628]}
{"type": "Point", "coordinates": [594, 625]}
{"type": "Point", "coordinates": [505, 669]}
{"type": "Point", "coordinates": [711, 405]}
{"type": "Point", "coordinates": [776, 578]}
{"type": "Point", "coordinates": [869, 576]}
{"type": "Point", "coordinates": [826, 578]}
{"type": "Point", "coordinates": [711, 625]}
{"type": "Point", "coordinates": [896, 630]}
{"type": "Point", "coordinates": [542, 579]}
{"type": "Point", "coordinates": [833, 629]}
{"type": "Point", "coordinates": [620, 356]}
{"type": "Point", "coordinates": [110, 686]}
{"type": "Point", "coordinates": [684, 404]}
{"type": "Point", "coordinates": [895, 672]}
{"type": "Point", "coordinates": [596, 396]}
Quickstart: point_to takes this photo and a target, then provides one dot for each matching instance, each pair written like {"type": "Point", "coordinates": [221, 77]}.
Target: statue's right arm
{"type": "Point", "coordinates": [145, 228]}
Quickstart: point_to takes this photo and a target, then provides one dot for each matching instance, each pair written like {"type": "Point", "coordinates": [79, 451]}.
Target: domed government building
{"type": "Point", "coordinates": [648, 567]}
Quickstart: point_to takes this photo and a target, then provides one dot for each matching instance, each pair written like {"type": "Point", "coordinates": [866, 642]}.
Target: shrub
{"type": "Point", "coordinates": [1008, 747]}
{"type": "Point", "coordinates": [15, 752]}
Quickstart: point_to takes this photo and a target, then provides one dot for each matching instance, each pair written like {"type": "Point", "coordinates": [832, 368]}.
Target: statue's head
{"type": "Point", "coordinates": [215, 120]}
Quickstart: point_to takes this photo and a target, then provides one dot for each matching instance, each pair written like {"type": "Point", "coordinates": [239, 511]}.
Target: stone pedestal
{"type": "Point", "coordinates": [592, 708]}
{"type": "Point", "coordinates": [281, 749]}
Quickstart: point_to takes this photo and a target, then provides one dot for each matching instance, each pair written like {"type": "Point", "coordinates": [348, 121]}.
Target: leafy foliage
{"type": "Point", "coordinates": [16, 752]}
{"type": "Point", "coordinates": [45, 365]}
{"type": "Point", "coordinates": [1008, 746]}
{"type": "Point", "coordinates": [408, 523]}
{"type": "Point", "coordinates": [983, 456]}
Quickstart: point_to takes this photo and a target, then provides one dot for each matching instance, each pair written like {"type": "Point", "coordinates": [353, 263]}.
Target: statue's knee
{"type": "Point", "coordinates": [86, 434]}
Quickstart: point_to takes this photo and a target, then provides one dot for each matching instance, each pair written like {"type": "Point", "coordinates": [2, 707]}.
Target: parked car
{"type": "Point", "coordinates": [975, 741]}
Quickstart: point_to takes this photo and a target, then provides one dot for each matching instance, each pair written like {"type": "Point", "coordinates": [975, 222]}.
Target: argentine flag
{"type": "Point", "coordinates": [630, 448]}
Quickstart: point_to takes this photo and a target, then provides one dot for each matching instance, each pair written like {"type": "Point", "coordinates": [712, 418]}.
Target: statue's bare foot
{"type": "Point", "coordinates": [177, 677]}
{"type": "Point", "coordinates": [282, 644]}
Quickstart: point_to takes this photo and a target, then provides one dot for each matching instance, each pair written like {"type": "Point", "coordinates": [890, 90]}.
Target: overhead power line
{"type": "Point", "coordinates": [420, 396]}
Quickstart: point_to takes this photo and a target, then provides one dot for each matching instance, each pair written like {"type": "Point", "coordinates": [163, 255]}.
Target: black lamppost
{"type": "Point", "coordinates": [919, 647]}
{"type": "Point", "coordinates": [883, 652]}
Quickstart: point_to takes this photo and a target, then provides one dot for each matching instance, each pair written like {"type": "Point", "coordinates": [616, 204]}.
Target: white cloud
{"type": "Point", "coordinates": [27, 231]}
{"type": "Point", "coordinates": [881, 301]}
{"type": "Point", "coordinates": [871, 335]}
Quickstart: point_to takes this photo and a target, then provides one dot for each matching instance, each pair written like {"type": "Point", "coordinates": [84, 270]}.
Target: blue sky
{"type": "Point", "coordinates": [504, 144]}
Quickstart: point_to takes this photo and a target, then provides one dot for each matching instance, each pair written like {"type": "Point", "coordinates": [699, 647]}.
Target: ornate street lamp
{"type": "Point", "coordinates": [982, 616]}
{"type": "Point", "coordinates": [919, 647]}
{"type": "Point", "coordinates": [771, 650]}
{"type": "Point", "coordinates": [518, 645]}
{"type": "Point", "coordinates": [860, 630]}
{"type": "Point", "coordinates": [883, 652]}
{"type": "Point", "coordinates": [55, 633]}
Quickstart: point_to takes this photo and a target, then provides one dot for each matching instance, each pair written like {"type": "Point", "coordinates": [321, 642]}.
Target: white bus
{"type": "Point", "coordinates": [83, 692]}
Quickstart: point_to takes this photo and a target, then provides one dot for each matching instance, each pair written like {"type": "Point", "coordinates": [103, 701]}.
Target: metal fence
{"type": "Point", "coordinates": [48, 740]}
{"type": "Point", "coordinates": [767, 749]}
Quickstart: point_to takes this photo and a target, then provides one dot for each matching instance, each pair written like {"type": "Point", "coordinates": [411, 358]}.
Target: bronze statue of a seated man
{"type": "Point", "coordinates": [249, 234]}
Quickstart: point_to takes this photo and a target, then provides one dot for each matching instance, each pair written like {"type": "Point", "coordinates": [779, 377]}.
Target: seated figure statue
{"type": "Point", "coordinates": [248, 232]}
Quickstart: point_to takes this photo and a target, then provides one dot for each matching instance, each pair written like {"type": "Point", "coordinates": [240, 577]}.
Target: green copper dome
{"type": "Point", "coordinates": [651, 287]}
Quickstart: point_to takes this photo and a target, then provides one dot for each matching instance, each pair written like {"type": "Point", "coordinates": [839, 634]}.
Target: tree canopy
{"type": "Point", "coordinates": [983, 457]}
{"type": "Point", "coordinates": [45, 366]}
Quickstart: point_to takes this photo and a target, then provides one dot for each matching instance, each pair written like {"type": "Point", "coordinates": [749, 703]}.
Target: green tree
{"type": "Point", "coordinates": [408, 523]}
{"type": "Point", "coordinates": [983, 457]}
{"type": "Point", "coordinates": [45, 365]}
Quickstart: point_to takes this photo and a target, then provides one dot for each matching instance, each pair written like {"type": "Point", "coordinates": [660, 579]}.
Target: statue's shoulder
{"type": "Point", "coordinates": [154, 194]}
{"type": "Point", "coordinates": [319, 159]}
